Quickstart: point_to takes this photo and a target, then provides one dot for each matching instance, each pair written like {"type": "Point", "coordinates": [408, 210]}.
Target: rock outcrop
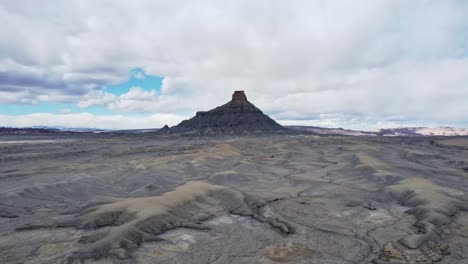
{"type": "Point", "coordinates": [239, 116]}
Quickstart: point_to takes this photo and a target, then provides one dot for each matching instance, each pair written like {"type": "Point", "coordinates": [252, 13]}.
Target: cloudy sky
{"type": "Point", "coordinates": [141, 64]}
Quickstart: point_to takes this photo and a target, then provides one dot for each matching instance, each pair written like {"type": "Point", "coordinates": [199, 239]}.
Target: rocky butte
{"type": "Point", "coordinates": [237, 117]}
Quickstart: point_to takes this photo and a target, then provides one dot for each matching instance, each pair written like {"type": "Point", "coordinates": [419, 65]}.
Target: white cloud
{"type": "Point", "coordinates": [94, 98]}
{"type": "Point", "coordinates": [137, 100]}
{"type": "Point", "coordinates": [139, 75]}
{"type": "Point", "coordinates": [297, 59]}
{"type": "Point", "coordinates": [65, 111]}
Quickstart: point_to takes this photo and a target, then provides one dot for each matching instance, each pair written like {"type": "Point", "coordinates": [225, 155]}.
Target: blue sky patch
{"type": "Point", "coordinates": [139, 78]}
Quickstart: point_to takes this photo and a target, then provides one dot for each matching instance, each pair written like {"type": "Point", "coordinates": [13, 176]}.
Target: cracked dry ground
{"type": "Point", "coordinates": [277, 199]}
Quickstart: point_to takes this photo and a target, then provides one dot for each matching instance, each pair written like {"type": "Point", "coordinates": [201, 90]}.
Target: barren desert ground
{"type": "Point", "coordinates": [270, 199]}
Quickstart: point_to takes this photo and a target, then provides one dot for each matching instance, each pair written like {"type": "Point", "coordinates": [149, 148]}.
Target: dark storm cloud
{"type": "Point", "coordinates": [19, 81]}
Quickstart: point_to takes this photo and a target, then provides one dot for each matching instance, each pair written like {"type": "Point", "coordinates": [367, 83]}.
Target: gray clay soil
{"type": "Point", "coordinates": [272, 199]}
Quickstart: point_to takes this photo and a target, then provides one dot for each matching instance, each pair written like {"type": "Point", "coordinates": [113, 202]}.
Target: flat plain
{"type": "Point", "coordinates": [269, 199]}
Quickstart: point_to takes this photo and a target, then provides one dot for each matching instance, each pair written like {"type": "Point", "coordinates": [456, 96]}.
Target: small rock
{"type": "Point", "coordinates": [369, 206]}
{"type": "Point", "coordinates": [353, 203]}
{"type": "Point", "coordinates": [6, 214]}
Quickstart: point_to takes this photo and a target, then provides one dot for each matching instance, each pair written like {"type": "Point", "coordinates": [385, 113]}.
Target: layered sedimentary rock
{"type": "Point", "coordinates": [239, 116]}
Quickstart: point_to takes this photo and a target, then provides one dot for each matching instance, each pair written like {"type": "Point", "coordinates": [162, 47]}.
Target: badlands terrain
{"type": "Point", "coordinates": [146, 198]}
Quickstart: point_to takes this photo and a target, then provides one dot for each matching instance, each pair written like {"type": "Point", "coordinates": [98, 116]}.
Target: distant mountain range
{"type": "Point", "coordinates": [36, 130]}
{"type": "Point", "coordinates": [25, 131]}
{"type": "Point", "coordinates": [424, 131]}
{"type": "Point", "coordinates": [401, 131]}
{"type": "Point", "coordinates": [332, 131]}
{"type": "Point", "coordinates": [387, 132]}
{"type": "Point", "coordinates": [71, 129]}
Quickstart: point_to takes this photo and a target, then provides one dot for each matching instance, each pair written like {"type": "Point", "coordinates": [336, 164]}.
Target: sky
{"type": "Point", "coordinates": [114, 64]}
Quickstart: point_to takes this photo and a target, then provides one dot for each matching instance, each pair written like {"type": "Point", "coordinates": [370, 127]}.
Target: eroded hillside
{"type": "Point", "coordinates": [275, 199]}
